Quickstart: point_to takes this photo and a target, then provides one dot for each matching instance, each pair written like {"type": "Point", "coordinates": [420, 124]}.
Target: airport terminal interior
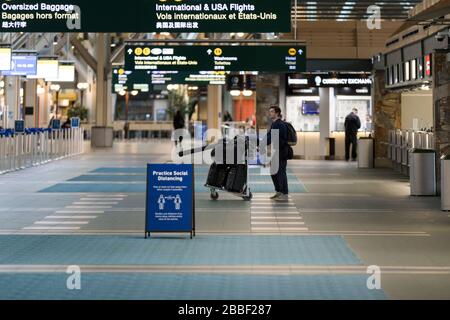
{"type": "Point", "coordinates": [112, 134]}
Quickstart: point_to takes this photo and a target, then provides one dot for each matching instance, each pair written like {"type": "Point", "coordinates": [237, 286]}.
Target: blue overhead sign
{"type": "Point", "coordinates": [22, 65]}
{"type": "Point", "coordinates": [170, 198]}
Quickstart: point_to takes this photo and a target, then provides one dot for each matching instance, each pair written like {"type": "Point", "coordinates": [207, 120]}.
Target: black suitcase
{"type": "Point", "coordinates": [237, 178]}
{"type": "Point", "coordinates": [217, 175]}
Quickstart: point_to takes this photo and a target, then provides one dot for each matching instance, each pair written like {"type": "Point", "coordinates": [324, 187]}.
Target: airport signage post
{"type": "Point", "coordinates": [145, 16]}
{"type": "Point", "coordinates": [215, 58]}
{"type": "Point", "coordinates": [170, 202]}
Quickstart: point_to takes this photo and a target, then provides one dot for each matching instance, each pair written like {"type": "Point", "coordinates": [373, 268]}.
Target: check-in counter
{"type": "Point", "coordinates": [308, 146]}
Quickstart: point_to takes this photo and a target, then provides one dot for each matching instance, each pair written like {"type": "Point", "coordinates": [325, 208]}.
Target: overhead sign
{"type": "Point", "coordinates": [5, 58]}
{"type": "Point", "coordinates": [145, 16]}
{"type": "Point", "coordinates": [216, 58]}
{"type": "Point", "coordinates": [170, 198]}
{"type": "Point", "coordinates": [328, 80]}
{"type": "Point", "coordinates": [22, 64]}
{"type": "Point", "coordinates": [133, 80]}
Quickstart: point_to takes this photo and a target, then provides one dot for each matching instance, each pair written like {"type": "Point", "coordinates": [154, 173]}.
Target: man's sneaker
{"type": "Point", "coordinates": [278, 194]}
{"type": "Point", "coordinates": [282, 197]}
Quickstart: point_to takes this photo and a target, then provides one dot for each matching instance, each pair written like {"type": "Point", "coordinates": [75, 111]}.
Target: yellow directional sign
{"type": "Point", "coordinates": [138, 51]}
{"type": "Point", "coordinates": [146, 51]}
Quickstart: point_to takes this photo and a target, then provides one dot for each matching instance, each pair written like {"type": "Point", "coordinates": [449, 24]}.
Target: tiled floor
{"type": "Point", "coordinates": [317, 245]}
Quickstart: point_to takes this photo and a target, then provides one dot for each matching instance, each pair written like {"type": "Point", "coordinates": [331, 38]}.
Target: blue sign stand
{"type": "Point", "coordinates": [170, 201]}
{"type": "Point", "coordinates": [19, 126]}
{"type": "Point", "coordinates": [56, 124]}
{"type": "Point", "coordinates": [75, 122]}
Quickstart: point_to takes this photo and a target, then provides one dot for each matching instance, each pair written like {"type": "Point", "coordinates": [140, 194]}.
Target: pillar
{"type": "Point", "coordinates": [12, 106]}
{"type": "Point", "coordinates": [387, 107]}
{"type": "Point", "coordinates": [31, 100]}
{"type": "Point", "coordinates": [324, 120]}
{"type": "Point", "coordinates": [214, 120]}
{"type": "Point", "coordinates": [102, 132]}
{"type": "Point", "coordinates": [441, 101]}
{"type": "Point", "coordinates": [267, 94]}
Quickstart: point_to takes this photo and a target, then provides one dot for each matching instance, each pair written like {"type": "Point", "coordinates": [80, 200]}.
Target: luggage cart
{"type": "Point", "coordinates": [230, 177]}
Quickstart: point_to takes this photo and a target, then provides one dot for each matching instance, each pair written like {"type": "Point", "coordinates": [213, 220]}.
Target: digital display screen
{"type": "Point", "coordinates": [310, 107]}
{"type": "Point", "coordinates": [22, 65]}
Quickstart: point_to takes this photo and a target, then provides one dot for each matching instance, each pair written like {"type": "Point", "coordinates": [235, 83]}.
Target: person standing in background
{"type": "Point", "coordinates": [352, 125]}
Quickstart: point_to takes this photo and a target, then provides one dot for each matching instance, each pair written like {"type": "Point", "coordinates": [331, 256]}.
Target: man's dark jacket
{"type": "Point", "coordinates": [352, 124]}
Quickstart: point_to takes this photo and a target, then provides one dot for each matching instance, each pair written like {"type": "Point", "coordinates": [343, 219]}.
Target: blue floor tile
{"type": "Point", "coordinates": [187, 287]}
{"type": "Point", "coordinates": [203, 250]}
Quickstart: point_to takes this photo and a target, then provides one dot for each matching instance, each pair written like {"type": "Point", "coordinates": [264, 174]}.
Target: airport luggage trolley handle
{"type": "Point", "coordinates": [246, 194]}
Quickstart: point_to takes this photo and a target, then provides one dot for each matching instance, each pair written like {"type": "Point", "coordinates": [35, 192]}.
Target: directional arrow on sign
{"type": "Point", "coordinates": [300, 51]}
{"type": "Point", "coordinates": [209, 51]}
{"type": "Point", "coordinates": [130, 51]}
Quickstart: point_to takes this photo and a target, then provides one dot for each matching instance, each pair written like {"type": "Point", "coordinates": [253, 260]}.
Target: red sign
{"type": "Point", "coordinates": [428, 65]}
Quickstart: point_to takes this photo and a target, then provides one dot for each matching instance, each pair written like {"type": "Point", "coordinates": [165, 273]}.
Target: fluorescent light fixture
{"type": "Point", "coordinates": [66, 72]}
{"type": "Point", "coordinates": [82, 85]}
{"type": "Point", "coordinates": [46, 68]}
{"type": "Point", "coordinates": [247, 93]}
{"type": "Point", "coordinates": [5, 58]}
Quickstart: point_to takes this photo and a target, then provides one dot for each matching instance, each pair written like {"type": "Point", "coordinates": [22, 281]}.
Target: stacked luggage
{"type": "Point", "coordinates": [230, 173]}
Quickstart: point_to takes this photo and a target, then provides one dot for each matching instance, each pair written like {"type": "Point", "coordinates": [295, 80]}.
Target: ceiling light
{"type": "Point", "coordinates": [235, 93]}
{"type": "Point", "coordinates": [134, 92]}
{"type": "Point", "coordinates": [122, 92]}
{"type": "Point", "coordinates": [247, 93]}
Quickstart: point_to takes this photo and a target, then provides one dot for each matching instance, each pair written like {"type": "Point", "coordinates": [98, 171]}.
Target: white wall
{"type": "Point", "coordinates": [417, 105]}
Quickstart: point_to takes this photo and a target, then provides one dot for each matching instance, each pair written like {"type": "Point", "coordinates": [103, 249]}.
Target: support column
{"type": "Point", "coordinates": [267, 94]}
{"type": "Point", "coordinates": [282, 94]}
{"type": "Point", "coordinates": [102, 133]}
{"type": "Point", "coordinates": [324, 120]}
{"type": "Point", "coordinates": [31, 100]}
{"type": "Point", "coordinates": [441, 101]}
{"type": "Point", "coordinates": [214, 109]}
{"type": "Point", "coordinates": [12, 92]}
{"type": "Point", "coordinates": [387, 108]}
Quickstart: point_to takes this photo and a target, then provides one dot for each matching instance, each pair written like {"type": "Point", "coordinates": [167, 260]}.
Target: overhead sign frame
{"type": "Point", "coordinates": [146, 16]}
{"type": "Point", "coordinates": [265, 58]}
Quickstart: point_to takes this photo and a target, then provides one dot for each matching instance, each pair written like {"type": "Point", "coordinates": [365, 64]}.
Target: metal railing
{"type": "Point", "coordinates": [38, 146]}
{"type": "Point", "coordinates": [402, 141]}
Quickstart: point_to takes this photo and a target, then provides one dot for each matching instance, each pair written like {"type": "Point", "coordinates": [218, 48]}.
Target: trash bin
{"type": "Point", "coordinates": [445, 183]}
{"type": "Point", "coordinates": [423, 172]}
{"type": "Point", "coordinates": [365, 153]}
{"type": "Point", "coordinates": [331, 148]}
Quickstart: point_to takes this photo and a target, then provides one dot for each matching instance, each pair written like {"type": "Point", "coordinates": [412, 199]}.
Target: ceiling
{"type": "Point", "coordinates": [342, 10]}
